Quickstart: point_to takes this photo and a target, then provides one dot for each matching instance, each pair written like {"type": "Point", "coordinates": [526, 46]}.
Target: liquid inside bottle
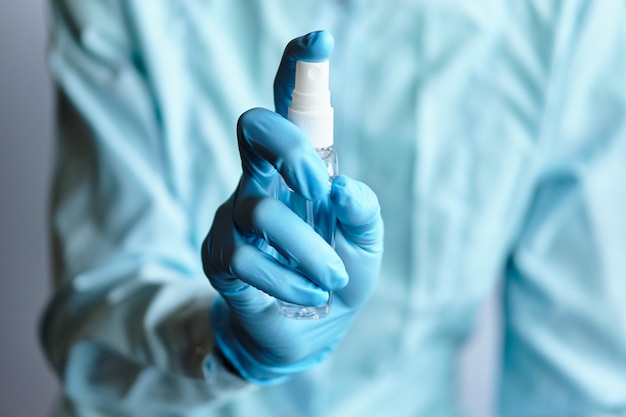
{"type": "Point", "coordinates": [312, 112]}
{"type": "Point", "coordinates": [320, 216]}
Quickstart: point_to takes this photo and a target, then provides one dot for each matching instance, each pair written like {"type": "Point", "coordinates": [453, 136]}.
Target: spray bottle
{"type": "Point", "coordinates": [311, 111]}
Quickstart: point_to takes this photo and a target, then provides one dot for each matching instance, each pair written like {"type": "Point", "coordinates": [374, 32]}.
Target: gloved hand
{"type": "Point", "coordinates": [264, 346]}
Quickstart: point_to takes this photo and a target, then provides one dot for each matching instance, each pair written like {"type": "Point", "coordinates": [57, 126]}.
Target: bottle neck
{"type": "Point", "coordinates": [325, 150]}
{"type": "Point", "coordinates": [328, 155]}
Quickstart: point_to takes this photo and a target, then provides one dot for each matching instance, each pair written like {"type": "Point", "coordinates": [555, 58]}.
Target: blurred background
{"type": "Point", "coordinates": [27, 386]}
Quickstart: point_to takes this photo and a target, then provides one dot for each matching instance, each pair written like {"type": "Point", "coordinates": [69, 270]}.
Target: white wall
{"type": "Point", "coordinates": [27, 387]}
{"type": "Point", "coordinates": [479, 363]}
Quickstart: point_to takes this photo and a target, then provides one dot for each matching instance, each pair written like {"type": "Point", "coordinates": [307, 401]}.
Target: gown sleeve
{"type": "Point", "coordinates": [130, 312]}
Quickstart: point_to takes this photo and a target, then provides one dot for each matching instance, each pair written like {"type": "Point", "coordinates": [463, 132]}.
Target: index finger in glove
{"type": "Point", "coordinates": [312, 47]}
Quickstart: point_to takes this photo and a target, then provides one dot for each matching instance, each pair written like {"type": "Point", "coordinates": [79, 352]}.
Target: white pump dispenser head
{"type": "Point", "coordinates": [310, 104]}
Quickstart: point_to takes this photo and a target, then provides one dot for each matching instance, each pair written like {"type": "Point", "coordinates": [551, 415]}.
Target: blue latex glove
{"type": "Point", "coordinates": [263, 345]}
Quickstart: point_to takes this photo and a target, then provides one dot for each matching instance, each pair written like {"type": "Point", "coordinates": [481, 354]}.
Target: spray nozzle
{"type": "Point", "coordinates": [310, 104]}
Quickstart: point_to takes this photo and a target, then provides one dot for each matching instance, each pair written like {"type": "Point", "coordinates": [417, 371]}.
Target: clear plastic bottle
{"type": "Point", "coordinates": [311, 111]}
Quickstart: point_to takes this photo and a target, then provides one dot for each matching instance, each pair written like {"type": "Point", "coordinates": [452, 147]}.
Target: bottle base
{"type": "Point", "coordinates": [298, 312]}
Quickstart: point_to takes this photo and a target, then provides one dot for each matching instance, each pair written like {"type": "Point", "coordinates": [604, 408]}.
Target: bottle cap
{"type": "Point", "coordinates": [310, 103]}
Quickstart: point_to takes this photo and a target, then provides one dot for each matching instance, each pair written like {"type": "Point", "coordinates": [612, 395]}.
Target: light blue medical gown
{"type": "Point", "coordinates": [493, 132]}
